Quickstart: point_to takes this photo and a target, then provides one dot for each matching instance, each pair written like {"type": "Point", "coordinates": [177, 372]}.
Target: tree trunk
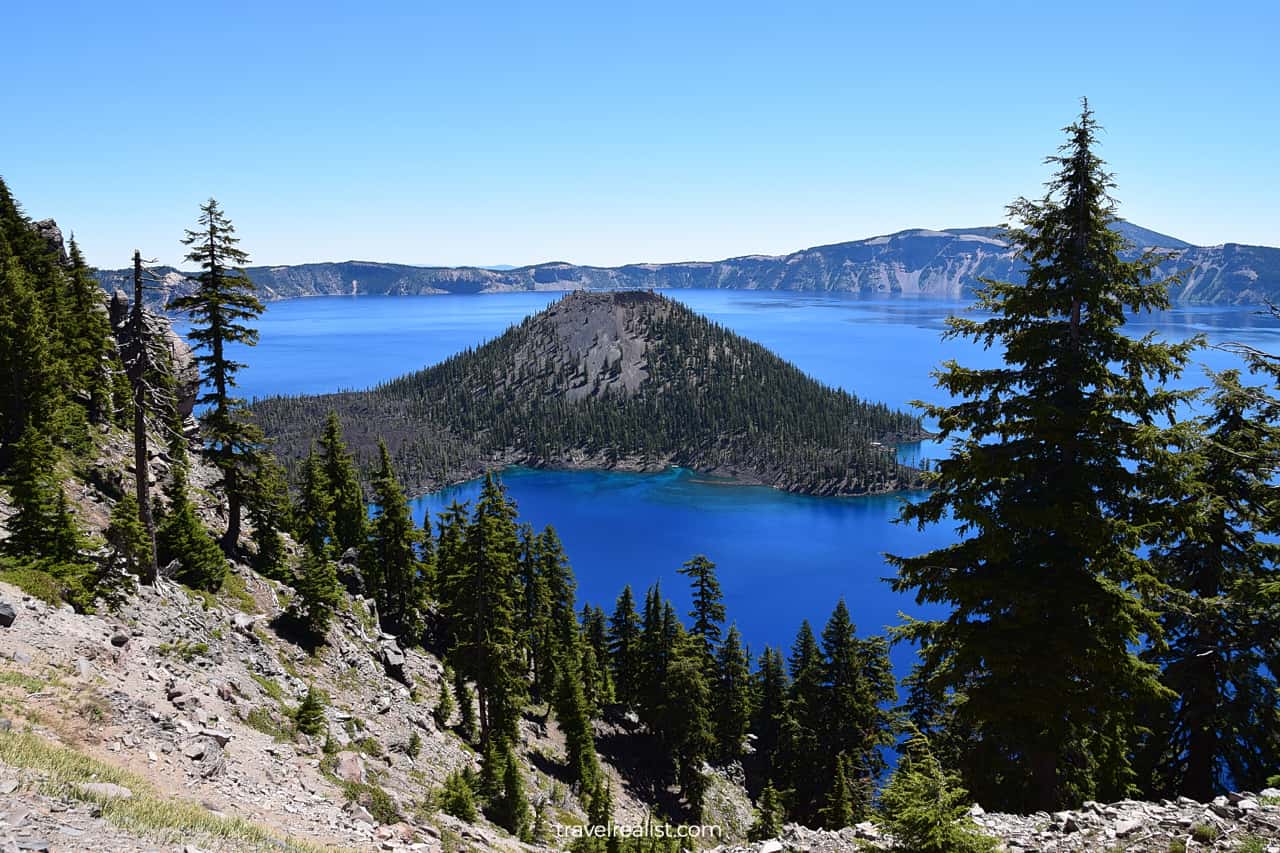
{"type": "Point", "coordinates": [231, 539]}
{"type": "Point", "coordinates": [141, 462]}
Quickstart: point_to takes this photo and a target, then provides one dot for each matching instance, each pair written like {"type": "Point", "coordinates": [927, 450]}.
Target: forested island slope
{"type": "Point", "coordinates": [626, 381]}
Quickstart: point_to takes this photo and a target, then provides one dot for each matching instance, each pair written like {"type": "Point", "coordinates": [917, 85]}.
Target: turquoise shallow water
{"type": "Point", "coordinates": [782, 558]}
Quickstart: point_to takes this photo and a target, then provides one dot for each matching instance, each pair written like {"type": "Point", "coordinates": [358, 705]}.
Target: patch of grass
{"type": "Point", "coordinates": [369, 746]}
{"type": "Point", "coordinates": [377, 801]}
{"type": "Point", "coordinates": [262, 720]}
{"type": "Point", "coordinates": [234, 589]}
{"type": "Point", "coordinates": [29, 683]}
{"type": "Point", "coordinates": [1269, 801]}
{"type": "Point", "coordinates": [34, 582]}
{"type": "Point", "coordinates": [1204, 833]}
{"type": "Point", "coordinates": [1177, 845]}
{"type": "Point", "coordinates": [184, 649]}
{"type": "Point", "coordinates": [147, 812]}
{"type": "Point", "coordinates": [269, 686]}
{"type": "Point", "coordinates": [208, 599]}
{"type": "Point", "coordinates": [1252, 844]}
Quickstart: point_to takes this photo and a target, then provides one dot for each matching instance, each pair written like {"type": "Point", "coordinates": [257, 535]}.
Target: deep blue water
{"type": "Point", "coordinates": [782, 558]}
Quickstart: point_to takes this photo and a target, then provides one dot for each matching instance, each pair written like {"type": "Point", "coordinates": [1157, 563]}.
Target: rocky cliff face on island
{"type": "Point", "coordinates": [624, 381]}
{"type": "Point", "coordinates": [945, 263]}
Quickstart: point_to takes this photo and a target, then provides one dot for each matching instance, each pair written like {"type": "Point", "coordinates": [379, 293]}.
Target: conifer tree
{"type": "Point", "coordinates": [838, 810]}
{"type": "Point", "coordinates": [485, 640]}
{"type": "Point", "coordinates": [29, 394]}
{"type": "Point", "coordinates": [769, 815]}
{"type": "Point", "coordinates": [1045, 587]}
{"type": "Point", "coordinates": [457, 797]}
{"type": "Point", "coordinates": [599, 678]}
{"type": "Point", "coordinates": [924, 807]}
{"type": "Point", "coordinates": [1221, 626]}
{"type": "Point", "coordinates": [391, 558]}
{"type": "Point", "coordinates": [309, 717]}
{"type": "Point", "coordinates": [535, 612]}
{"type": "Point", "coordinates": [347, 496]}
{"type": "Point", "coordinates": [313, 515]}
{"type": "Point", "coordinates": [41, 525]}
{"type": "Point", "coordinates": [512, 812]}
{"type": "Point", "coordinates": [89, 343]}
{"type": "Point", "coordinates": [268, 507]}
{"type": "Point", "coordinates": [686, 725]}
{"type": "Point", "coordinates": [443, 711]}
{"type": "Point", "coordinates": [708, 608]}
{"type": "Point", "coordinates": [799, 748]}
{"type": "Point", "coordinates": [858, 685]}
{"type": "Point", "coordinates": [220, 308]}
{"type": "Point", "coordinates": [769, 708]}
{"type": "Point", "coordinates": [181, 536]}
{"type": "Point", "coordinates": [466, 700]}
{"type": "Point", "coordinates": [571, 706]}
{"type": "Point", "coordinates": [318, 592]}
{"type": "Point", "coordinates": [731, 698]}
{"type": "Point", "coordinates": [624, 649]}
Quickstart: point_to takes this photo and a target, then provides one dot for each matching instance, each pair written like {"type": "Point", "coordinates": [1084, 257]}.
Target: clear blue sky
{"type": "Point", "coordinates": [608, 132]}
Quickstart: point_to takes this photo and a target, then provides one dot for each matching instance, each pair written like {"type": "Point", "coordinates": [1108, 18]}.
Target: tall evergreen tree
{"type": "Point", "coordinates": [571, 705]}
{"type": "Point", "coordinates": [731, 697]}
{"type": "Point", "coordinates": [685, 722]}
{"type": "Point", "coordinates": [318, 592]}
{"type": "Point", "coordinates": [1217, 553]}
{"type": "Point", "coordinates": [391, 558]}
{"type": "Point", "coordinates": [347, 496]}
{"type": "Point", "coordinates": [221, 307]}
{"type": "Point", "coordinates": [29, 393]}
{"type": "Point", "coordinates": [89, 342]}
{"type": "Point", "coordinates": [41, 526]}
{"type": "Point", "coordinates": [859, 685]}
{"type": "Point", "coordinates": [708, 607]}
{"type": "Point", "coordinates": [483, 596]}
{"type": "Point", "coordinates": [268, 507]}
{"type": "Point", "coordinates": [1045, 587]}
{"type": "Point", "coordinates": [313, 514]}
{"type": "Point", "coordinates": [768, 709]}
{"type": "Point", "coordinates": [181, 536]}
{"type": "Point", "coordinates": [624, 648]}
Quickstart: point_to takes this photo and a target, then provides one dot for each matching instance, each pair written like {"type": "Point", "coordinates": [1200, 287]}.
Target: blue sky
{"type": "Point", "coordinates": [609, 132]}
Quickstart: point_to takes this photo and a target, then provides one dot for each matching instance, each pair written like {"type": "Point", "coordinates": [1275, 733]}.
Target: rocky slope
{"type": "Point", "coordinates": [919, 261]}
{"type": "Point", "coordinates": [628, 380]}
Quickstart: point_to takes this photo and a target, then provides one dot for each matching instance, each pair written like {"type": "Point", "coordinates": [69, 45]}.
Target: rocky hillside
{"type": "Point", "coordinates": [629, 381]}
{"type": "Point", "coordinates": [919, 261]}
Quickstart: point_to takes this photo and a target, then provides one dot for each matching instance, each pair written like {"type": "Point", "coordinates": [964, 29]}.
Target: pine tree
{"type": "Point", "coordinates": [466, 707]}
{"type": "Point", "coordinates": [624, 649]}
{"type": "Point", "coordinates": [309, 717]}
{"type": "Point", "coordinates": [595, 658]}
{"type": "Point", "coordinates": [41, 525]}
{"type": "Point", "coordinates": [443, 711]}
{"type": "Point", "coordinates": [686, 725]}
{"type": "Point", "coordinates": [924, 808]}
{"type": "Point", "coordinates": [313, 514]}
{"type": "Point", "coordinates": [181, 536]}
{"type": "Point", "coordinates": [768, 708]}
{"type": "Point", "coordinates": [318, 593]}
{"type": "Point", "coordinates": [483, 597]}
{"type": "Point", "coordinates": [708, 608]}
{"type": "Point", "coordinates": [1221, 628]}
{"type": "Point", "coordinates": [29, 394]}
{"type": "Point", "coordinates": [347, 496]}
{"type": "Point", "coordinates": [90, 344]}
{"type": "Point", "coordinates": [800, 749]}
{"type": "Point", "coordinates": [1045, 588]}
{"type": "Point", "coordinates": [391, 559]}
{"type": "Point", "coordinates": [838, 809]}
{"type": "Point", "coordinates": [512, 812]}
{"type": "Point", "coordinates": [731, 698]}
{"type": "Point", "coordinates": [267, 505]}
{"type": "Point", "coordinates": [571, 705]}
{"type": "Point", "coordinates": [768, 822]}
{"type": "Point", "coordinates": [457, 797]}
{"type": "Point", "coordinates": [132, 546]}
{"type": "Point", "coordinates": [858, 685]}
{"type": "Point", "coordinates": [220, 308]}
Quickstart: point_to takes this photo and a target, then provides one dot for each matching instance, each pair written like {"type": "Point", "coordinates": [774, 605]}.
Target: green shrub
{"type": "Point", "coordinates": [925, 809]}
{"type": "Point", "coordinates": [379, 803]}
{"type": "Point", "coordinates": [1252, 844]}
{"type": "Point", "coordinates": [414, 746]}
{"type": "Point", "coordinates": [457, 796]}
{"type": "Point", "coordinates": [309, 718]}
{"type": "Point", "coordinates": [1203, 833]}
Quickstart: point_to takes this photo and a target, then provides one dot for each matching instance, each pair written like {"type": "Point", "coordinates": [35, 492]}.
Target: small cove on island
{"type": "Point", "coordinates": [781, 557]}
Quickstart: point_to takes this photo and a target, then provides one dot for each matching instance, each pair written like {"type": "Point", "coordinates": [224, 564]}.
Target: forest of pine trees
{"type": "Point", "coordinates": [1111, 620]}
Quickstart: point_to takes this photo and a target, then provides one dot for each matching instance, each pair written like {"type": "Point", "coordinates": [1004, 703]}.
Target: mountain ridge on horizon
{"type": "Point", "coordinates": [910, 261]}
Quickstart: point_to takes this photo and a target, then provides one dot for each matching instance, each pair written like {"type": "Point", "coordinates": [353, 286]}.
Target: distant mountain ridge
{"type": "Point", "coordinates": [945, 263]}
